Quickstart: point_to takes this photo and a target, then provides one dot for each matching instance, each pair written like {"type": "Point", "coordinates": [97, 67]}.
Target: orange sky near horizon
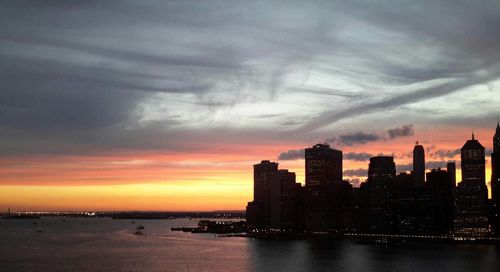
{"type": "Point", "coordinates": [213, 179]}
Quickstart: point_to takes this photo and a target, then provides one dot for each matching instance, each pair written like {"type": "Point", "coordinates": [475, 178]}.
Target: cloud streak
{"type": "Point", "coordinates": [293, 154]}
{"type": "Point", "coordinates": [362, 137]}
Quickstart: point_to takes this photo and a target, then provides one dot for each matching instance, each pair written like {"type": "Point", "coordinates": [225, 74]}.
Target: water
{"type": "Point", "coordinates": [103, 244]}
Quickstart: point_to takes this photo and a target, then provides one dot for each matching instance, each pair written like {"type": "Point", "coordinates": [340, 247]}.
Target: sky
{"type": "Point", "coordinates": [166, 105]}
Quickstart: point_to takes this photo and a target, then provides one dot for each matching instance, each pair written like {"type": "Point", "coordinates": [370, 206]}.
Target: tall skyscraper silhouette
{"type": "Point", "coordinates": [471, 216]}
{"type": "Point", "coordinates": [258, 211]}
{"type": "Point", "coordinates": [377, 193]}
{"type": "Point", "coordinates": [418, 166]}
{"type": "Point", "coordinates": [473, 162]}
{"type": "Point", "coordinates": [440, 184]}
{"type": "Point", "coordinates": [323, 172]}
{"type": "Point", "coordinates": [495, 181]}
{"type": "Point", "coordinates": [262, 174]}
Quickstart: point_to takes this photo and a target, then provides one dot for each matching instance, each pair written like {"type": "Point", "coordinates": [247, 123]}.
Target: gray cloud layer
{"type": "Point", "coordinates": [86, 76]}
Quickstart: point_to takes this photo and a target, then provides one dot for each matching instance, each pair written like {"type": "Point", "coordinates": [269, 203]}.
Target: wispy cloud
{"type": "Point", "coordinates": [162, 75]}
{"type": "Point", "coordinates": [362, 137]}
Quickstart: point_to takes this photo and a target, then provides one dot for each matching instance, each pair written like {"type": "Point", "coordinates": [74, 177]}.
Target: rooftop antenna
{"type": "Point", "coordinates": [473, 135]}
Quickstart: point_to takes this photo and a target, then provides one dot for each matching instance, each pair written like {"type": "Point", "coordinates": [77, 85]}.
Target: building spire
{"type": "Point", "coordinates": [473, 135]}
{"type": "Point", "coordinates": [498, 125]}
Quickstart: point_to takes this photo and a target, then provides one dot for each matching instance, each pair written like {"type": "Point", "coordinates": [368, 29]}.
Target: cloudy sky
{"type": "Point", "coordinates": [150, 105]}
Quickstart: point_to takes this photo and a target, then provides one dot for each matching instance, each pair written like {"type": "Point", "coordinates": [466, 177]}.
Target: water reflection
{"type": "Point", "coordinates": [102, 244]}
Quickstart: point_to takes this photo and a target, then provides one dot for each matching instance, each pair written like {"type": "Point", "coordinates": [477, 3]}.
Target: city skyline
{"type": "Point", "coordinates": [364, 156]}
{"type": "Point", "coordinates": [390, 203]}
{"type": "Point", "coordinates": [149, 106]}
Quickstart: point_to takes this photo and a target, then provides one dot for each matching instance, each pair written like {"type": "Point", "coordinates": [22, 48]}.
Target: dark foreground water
{"type": "Point", "coordinates": [103, 244]}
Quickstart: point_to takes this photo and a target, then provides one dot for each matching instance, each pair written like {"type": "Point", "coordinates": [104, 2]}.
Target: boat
{"type": "Point", "coordinates": [140, 227]}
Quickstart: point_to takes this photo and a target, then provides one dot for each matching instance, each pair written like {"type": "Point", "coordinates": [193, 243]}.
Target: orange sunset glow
{"type": "Point", "coordinates": [212, 179]}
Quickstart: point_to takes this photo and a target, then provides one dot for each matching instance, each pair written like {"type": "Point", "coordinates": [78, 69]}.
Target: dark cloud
{"type": "Point", "coordinates": [404, 131]}
{"type": "Point", "coordinates": [293, 154]}
{"type": "Point", "coordinates": [361, 172]}
{"type": "Point", "coordinates": [364, 137]}
{"type": "Point", "coordinates": [354, 138]}
{"type": "Point", "coordinates": [296, 154]}
{"type": "Point", "coordinates": [445, 153]}
{"type": "Point", "coordinates": [361, 156]}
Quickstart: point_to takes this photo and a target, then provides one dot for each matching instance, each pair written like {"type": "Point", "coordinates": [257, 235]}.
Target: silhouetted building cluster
{"type": "Point", "coordinates": [277, 199]}
{"type": "Point", "coordinates": [415, 203]}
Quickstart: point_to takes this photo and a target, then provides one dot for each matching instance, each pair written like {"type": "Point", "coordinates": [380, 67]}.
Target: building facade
{"type": "Point", "coordinates": [258, 211]}
{"type": "Point", "coordinates": [471, 197]}
{"type": "Point", "coordinates": [323, 173]}
{"type": "Point", "coordinates": [441, 185]}
{"type": "Point", "coordinates": [378, 193]}
{"type": "Point", "coordinates": [418, 166]}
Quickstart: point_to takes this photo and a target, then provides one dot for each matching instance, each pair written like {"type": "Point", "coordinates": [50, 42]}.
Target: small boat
{"type": "Point", "coordinates": [140, 227]}
{"type": "Point", "coordinates": [39, 230]}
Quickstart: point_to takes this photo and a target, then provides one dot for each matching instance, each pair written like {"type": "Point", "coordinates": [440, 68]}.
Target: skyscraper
{"type": "Point", "coordinates": [323, 171]}
{"type": "Point", "coordinates": [418, 165]}
{"type": "Point", "coordinates": [440, 184]}
{"type": "Point", "coordinates": [495, 181]}
{"type": "Point", "coordinates": [471, 203]}
{"type": "Point", "coordinates": [258, 211]}
{"type": "Point", "coordinates": [283, 200]}
{"type": "Point", "coordinates": [381, 169]}
{"type": "Point", "coordinates": [473, 162]}
{"type": "Point", "coordinates": [378, 193]}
